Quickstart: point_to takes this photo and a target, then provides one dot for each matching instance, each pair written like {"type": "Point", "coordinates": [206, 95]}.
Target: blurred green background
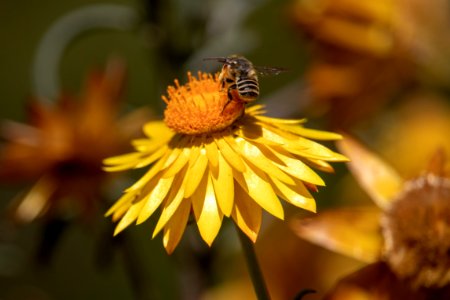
{"type": "Point", "coordinates": [162, 41]}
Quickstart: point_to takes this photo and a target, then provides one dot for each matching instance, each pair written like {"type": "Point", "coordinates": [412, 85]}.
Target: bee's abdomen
{"type": "Point", "coordinates": [248, 89]}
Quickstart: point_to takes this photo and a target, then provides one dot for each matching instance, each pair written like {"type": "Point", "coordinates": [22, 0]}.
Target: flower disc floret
{"type": "Point", "coordinates": [200, 106]}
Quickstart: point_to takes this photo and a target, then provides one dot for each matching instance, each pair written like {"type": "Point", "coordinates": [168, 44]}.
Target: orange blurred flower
{"type": "Point", "coordinates": [368, 50]}
{"type": "Point", "coordinates": [62, 147]}
{"type": "Point", "coordinates": [406, 237]}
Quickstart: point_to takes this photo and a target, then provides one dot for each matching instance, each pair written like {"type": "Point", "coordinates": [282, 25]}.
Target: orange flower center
{"type": "Point", "coordinates": [200, 106]}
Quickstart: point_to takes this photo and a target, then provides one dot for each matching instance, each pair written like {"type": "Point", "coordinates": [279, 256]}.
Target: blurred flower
{"type": "Point", "coordinates": [221, 159]}
{"type": "Point", "coordinates": [423, 117]}
{"type": "Point", "coordinates": [407, 237]}
{"type": "Point", "coordinates": [62, 148]}
{"type": "Point", "coordinates": [298, 265]}
{"type": "Point", "coordinates": [368, 50]}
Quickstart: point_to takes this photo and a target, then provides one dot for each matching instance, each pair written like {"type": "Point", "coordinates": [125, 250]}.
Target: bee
{"type": "Point", "coordinates": [239, 77]}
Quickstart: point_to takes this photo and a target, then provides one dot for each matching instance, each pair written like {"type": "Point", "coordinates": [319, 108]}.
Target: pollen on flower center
{"type": "Point", "coordinates": [200, 106]}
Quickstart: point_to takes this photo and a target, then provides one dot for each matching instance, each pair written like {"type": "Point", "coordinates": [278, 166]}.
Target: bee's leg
{"type": "Point", "coordinates": [229, 95]}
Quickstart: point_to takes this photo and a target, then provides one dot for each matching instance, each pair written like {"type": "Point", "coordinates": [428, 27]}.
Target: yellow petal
{"type": "Point", "coordinates": [308, 148]}
{"type": "Point", "coordinates": [145, 161]}
{"type": "Point", "coordinates": [261, 135]}
{"type": "Point", "coordinates": [296, 194]}
{"type": "Point", "coordinates": [223, 184]}
{"type": "Point", "coordinates": [246, 214]}
{"type": "Point", "coordinates": [36, 200]}
{"type": "Point", "coordinates": [259, 188]}
{"type": "Point", "coordinates": [354, 232]}
{"type": "Point", "coordinates": [129, 158]}
{"type": "Point", "coordinates": [118, 168]}
{"type": "Point", "coordinates": [127, 197]}
{"type": "Point", "coordinates": [129, 217]}
{"type": "Point", "coordinates": [230, 155]}
{"type": "Point", "coordinates": [312, 133]}
{"type": "Point", "coordinates": [120, 211]}
{"type": "Point", "coordinates": [379, 12]}
{"type": "Point", "coordinates": [173, 231]}
{"type": "Point", "coordinates": [278, 131]}
{"type": "Point", "coordinates": [310, 154]}
{"type": "Point", "coordinates": [147, 145]}
{"type": "Point", "coordinates": [212, 152]}
{"type": "Point", "coordinates": [195, 173]}
{"type": "Point", "coordinates": [239, 178]}
{"type": "Point", "coordinates": [251, 132]}
{"type": "Point", "coordinates": [194, 153]}
{"type": "Point", "coordinates": [206, 210]}
{"type": "Point", "coordinates": [293, 166]}
{"type": "Point", "coordinates": [256, 157]}
{"type": "Point", "coordinates": [154, 199]}
{"type": "Point", "coordinates": [320, 165]}
{"type": "Point", "coordinates": [255, 109]}
{"type": "Point", "coordinates": [149, 175]}
{"type": "Point", "coordinates": [173, 155]}
{"type": "Point", "coordinates": [277, 121]}
{"type": "Point", "coordinates": [178, 164]}
{"type": "Point", "coordinates": [158, 131]}
{"type": "Point", "coordinates": [374, 175]}
{"type": "Point", "coordinates": [175, 197]}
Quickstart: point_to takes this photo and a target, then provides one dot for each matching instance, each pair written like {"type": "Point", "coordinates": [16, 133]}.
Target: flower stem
{"type": "Point", "coordinates": [133, 268]}
{"type": "Point", "coordinates": [253, 267]}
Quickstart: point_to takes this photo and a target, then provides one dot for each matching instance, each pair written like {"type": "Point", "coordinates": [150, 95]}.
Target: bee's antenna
{"type": "Point", "coordinates": [223, 60]}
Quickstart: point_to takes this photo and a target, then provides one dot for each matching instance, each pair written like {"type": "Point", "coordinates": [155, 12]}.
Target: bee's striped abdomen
{"type": "Point", "coordinates": [247, 88]}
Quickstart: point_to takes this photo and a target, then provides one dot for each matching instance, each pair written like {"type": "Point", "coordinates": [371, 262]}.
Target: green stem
{"type": "Point", "coordinates": [253, 267]}
{"type": "Point", "coordinates": [133, 267]}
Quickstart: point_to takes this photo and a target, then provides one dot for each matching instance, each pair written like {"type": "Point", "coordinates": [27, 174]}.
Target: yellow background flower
{"type": "Point", "coordinates": [368, 51]}
{"type": "Point", "coordinates": [406, 234]}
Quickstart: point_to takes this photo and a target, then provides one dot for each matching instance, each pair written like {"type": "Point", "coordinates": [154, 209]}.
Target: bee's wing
{"type": "Point", "coordinates": [269, 71]}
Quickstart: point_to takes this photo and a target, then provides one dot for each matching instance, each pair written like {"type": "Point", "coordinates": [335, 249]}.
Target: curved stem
{"type": "Point", "coordinates": [133, 267]}
{"type": "Point", "coordinates": [253, 267]}
{"type": "Point", "coordinates": [64, 31]}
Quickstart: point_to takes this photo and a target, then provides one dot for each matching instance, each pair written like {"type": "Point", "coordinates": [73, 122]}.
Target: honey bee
{"type": "Point", "coordinates": [239, 77]}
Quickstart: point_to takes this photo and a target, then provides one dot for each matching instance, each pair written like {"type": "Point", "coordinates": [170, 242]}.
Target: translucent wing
{"type": "Point", "coordinates": [218, 59]}
{"type": "Point", "coordinates": [269, 71]}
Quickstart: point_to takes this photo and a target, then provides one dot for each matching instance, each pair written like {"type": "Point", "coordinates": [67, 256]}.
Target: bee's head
{"type": "Point", "coordinates": [236, 62]}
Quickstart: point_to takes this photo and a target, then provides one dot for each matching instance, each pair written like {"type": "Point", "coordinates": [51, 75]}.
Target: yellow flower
{"type": "Point", "coordinates": [406, 237]}
{"type": "Point", "coordinates": [218, 162]}
{"type": "Point", "coordinates": [358, 26]}
{"type": "Point", "coordinates": [367, 51]}
{"type": "Point", "coordinates": [422, 116]}
{"type": "Point", "coordinates": [378, 28]}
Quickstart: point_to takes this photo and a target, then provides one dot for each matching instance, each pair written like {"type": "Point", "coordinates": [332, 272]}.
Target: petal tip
{"type": "Point", "coordinates": [118, 230]}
